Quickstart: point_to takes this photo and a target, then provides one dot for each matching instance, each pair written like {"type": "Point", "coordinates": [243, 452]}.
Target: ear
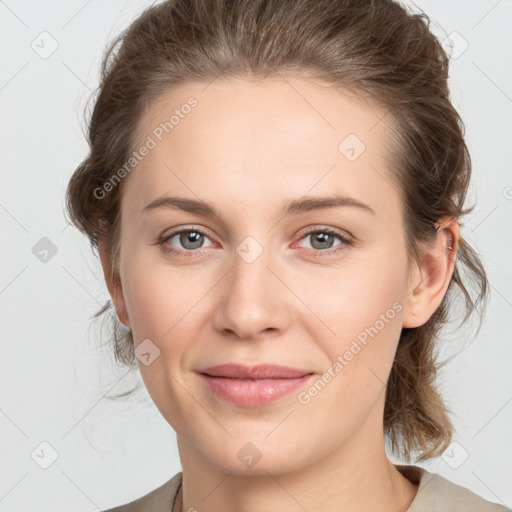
{"type": "Point", "coordinates": [113, 282]}
{"type": "Point", "coordinates": [430, 279]}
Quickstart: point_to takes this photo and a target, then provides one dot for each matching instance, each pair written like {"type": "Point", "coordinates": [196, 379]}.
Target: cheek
{"type": "Point", "coordinates": [156, 293]}
{"type": "Point", "coordinates": [360, 357]}
{"type": "Point", "coordinates": [360, 308]}
{"type": "Point", "coordinates": [354, 295]}
{"type": "Point", "coordinates": [163, 305]}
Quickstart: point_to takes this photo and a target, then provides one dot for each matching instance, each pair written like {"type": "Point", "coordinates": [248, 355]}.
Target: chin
{"type": "Point", "coordinates": [257, 455]}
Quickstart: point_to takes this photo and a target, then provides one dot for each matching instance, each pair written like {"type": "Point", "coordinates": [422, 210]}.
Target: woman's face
{"type": "Point", "coordinates": [266, 278]}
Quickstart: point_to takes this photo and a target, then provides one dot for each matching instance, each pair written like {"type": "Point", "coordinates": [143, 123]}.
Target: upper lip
{"type": "Point", "coordinates": [260, 371]}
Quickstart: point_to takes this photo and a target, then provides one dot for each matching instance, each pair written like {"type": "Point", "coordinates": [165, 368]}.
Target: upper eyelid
{"type": "Point", "coordinates": [172, 234]}
{"type": "Point", "coordinates": [307, 230]}
{"type": "Point", "coordinates": [329, 229]}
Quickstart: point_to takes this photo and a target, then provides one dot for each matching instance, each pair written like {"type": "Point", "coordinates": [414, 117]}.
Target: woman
{"type": "Point", "coordinates": [274, 189]}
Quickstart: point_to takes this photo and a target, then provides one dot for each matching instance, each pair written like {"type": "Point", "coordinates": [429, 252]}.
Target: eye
{"type": "Point", "coordinates": [322, 240]}
{"type": "Point", "coordinates": [191, 239]}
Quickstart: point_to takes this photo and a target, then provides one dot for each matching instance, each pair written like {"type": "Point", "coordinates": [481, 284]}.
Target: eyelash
{"type": "Point", "coordinates": [316, 252]}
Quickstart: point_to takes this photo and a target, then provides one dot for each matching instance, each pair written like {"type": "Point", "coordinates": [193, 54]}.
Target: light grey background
{"type": "Point", "coordinates": [54, 376]}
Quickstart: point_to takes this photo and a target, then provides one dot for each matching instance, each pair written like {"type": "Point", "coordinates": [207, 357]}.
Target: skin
{"type": "Point", "coordinates": [247, 147]}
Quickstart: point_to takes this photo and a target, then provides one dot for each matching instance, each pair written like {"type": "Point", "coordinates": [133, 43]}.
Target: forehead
{"type": "Point", "coordinates": [250, 141]}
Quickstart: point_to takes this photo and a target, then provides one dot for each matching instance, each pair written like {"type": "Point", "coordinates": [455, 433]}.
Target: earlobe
{"type": "Point", "coordinates": [431, 278]}
{"type": "Point", "coordinates": [113, 284]}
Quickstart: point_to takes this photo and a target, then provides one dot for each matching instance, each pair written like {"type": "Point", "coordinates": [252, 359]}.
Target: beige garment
{"type": "Point", "coordinates": [435, 494]}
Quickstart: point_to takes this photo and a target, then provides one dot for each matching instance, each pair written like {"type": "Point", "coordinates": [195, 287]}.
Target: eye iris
{"type": "Point", "coordinates": [193, 237]}
{"type": "Point", "coordinates": [323, 239]}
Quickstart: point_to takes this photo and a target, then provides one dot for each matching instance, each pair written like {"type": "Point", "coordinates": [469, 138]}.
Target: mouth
{"type": "Point", "coordinates": [254, 386]}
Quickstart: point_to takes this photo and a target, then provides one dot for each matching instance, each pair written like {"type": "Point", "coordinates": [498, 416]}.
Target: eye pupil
{"type": "Point", "coordinates": [324, 239]}
{"type": "Point", "coordinates": [192, 237]}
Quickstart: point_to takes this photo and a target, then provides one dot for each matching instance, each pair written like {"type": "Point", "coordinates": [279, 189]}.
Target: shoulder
{"type": "Point", "coordinates": [435, 494]}
{"type": "Point", "coordinates": [438, 494]}
{"type": "Point", "coordinates": [159, 500]}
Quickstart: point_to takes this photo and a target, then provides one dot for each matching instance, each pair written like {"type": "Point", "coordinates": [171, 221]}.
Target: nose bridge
{"type": "Point", "coordinates": [253, 299]}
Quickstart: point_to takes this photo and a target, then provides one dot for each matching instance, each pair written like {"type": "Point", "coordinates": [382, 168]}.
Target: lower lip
{"type": "Point", "coordinates": [252, 393]}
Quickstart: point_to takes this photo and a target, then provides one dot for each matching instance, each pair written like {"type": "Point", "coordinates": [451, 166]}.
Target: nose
{"type": "Point", "coordinates": [253, 299]}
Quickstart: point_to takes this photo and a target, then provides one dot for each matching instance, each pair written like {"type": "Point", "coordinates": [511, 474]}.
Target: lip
{"type": "Point", "coordinates": [253, 386]}
{"type": "Point", "coordinates": [259, 371]}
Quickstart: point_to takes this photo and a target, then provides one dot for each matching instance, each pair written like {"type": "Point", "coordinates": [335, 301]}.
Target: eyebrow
{"type": "Point", "coordinates": [289, 207]}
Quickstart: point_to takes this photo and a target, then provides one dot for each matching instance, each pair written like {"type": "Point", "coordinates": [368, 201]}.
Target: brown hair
{"type": "Point", "coordinates": [374, 48]}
